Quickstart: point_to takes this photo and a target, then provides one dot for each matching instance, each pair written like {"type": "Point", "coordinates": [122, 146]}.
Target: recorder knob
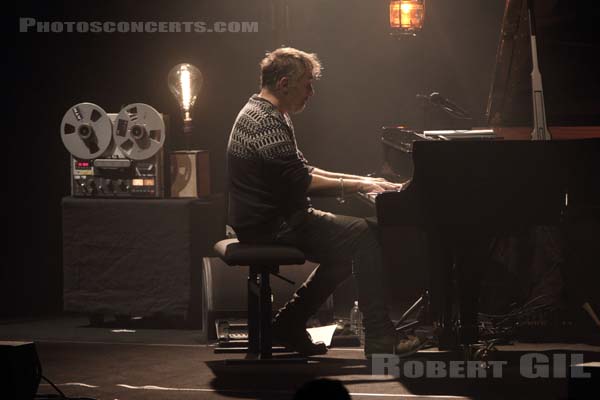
{"type": "Point", "coordinates": [124, 186]}
{"type": "Point", "coordinates": [93, 187]}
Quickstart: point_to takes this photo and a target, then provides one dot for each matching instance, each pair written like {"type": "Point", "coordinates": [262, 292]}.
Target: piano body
{"type": "Point", "coordinates": [461, 192]}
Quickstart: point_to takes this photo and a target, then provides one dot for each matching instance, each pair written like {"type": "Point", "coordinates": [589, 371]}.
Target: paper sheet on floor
{"type": "Point", "coordinates": [322, 334]}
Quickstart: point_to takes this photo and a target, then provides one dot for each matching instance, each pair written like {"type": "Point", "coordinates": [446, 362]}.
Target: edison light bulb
{"type": "Point", "coordinates": [185, 81]}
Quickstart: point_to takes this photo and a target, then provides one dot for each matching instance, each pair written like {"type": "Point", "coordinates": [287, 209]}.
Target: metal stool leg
{"type": "Point", "coordinates": [260, 338]}
{"type": "Point", "coordinates": [265, 316]}
{"type": "Point", "coordinates": [253, 313]}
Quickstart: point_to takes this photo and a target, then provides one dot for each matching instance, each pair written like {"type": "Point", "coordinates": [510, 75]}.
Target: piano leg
{"type": "Point", "coordinates": [456, 262]}
{"type": "Point", "coordinates": [441, 262]}
{"type": "Point", "coordinates": [471, 259]}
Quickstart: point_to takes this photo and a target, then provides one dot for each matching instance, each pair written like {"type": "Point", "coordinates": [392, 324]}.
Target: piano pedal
{"type": "Point", "coordinates": [481, 352]}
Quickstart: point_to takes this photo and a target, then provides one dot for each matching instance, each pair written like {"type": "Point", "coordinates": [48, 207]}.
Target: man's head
{"type": "Point", "coordinates": [287, 74]}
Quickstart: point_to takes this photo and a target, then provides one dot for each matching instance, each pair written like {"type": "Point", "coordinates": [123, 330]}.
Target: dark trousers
{"type": "Point", "coordinates": [342, 246]}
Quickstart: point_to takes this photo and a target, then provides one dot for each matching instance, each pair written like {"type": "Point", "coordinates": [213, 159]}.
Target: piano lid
{"type": "Point", "coordinates": [568, 43]}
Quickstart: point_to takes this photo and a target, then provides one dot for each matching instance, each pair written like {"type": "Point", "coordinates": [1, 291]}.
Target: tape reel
{"type": "Point", "coordinates": [139, 132]}
{"type": "Point", "coordinates": [86, 131]}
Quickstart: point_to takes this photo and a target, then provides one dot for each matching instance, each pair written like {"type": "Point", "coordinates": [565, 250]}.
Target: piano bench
{"type": "Point", "coordinates": [263, 260]}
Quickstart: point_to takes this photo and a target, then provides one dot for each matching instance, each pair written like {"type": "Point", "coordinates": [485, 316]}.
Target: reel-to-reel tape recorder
{"type": "Point", "coordinates": [115, 155]}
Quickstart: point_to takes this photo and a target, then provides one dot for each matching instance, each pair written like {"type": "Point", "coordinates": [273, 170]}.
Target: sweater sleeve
{"type": "Point", "coordinates": [287, 168]}
{"type": "Point", "coordinates": [305, 161]}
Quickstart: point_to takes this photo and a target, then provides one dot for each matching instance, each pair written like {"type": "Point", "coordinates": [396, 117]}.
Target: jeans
{"type": "Point", "coordinates": [342, 245]}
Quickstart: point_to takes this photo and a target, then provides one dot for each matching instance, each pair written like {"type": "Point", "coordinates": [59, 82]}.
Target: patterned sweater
{"type": "Point", "coordinates": [268, 175]}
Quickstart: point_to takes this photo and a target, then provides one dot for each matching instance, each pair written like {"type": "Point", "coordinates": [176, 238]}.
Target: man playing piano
{"type": "Point", "coordinates": [269, 181]}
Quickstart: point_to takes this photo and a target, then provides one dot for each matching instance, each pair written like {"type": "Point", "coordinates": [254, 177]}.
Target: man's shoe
{"type": "Point", "coordinates": [403, 346]}
{"type": "Point", "coordinates": [296, 339]}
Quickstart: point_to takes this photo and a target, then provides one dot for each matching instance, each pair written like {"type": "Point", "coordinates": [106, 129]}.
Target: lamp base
{"type": "Point", "coordinates": [190, 173]}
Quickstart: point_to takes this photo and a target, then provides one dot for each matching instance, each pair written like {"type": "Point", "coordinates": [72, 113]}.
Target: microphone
{"type": "Point", "coordinates": [438, 100]}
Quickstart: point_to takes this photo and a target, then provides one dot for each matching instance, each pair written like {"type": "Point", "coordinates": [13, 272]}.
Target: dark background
{"type": "Point", "coordinates": [370, 80]}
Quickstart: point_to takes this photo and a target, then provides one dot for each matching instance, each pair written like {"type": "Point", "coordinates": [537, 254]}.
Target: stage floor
{"type": "Point", "coordinates": [112, 363]}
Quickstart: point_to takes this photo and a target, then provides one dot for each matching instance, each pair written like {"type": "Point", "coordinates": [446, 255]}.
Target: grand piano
{"type": "Point", "coordinates": [462, 193]}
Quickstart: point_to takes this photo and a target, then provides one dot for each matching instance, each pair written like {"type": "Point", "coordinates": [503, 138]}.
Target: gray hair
{"type": "Point", "coordinates": [290, 62]}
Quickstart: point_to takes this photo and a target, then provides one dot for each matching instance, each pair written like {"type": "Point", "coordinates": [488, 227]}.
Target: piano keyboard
{"type": "Point", "coordinates": [461, 134]}
{"type": "Point", "coordinates": [370, 197]}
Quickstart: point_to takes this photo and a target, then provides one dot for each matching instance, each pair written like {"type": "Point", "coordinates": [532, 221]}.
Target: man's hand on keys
{"type": "Point", "coordinates": [379, 185]}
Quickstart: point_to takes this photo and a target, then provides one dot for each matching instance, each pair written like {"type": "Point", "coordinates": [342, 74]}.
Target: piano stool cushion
{"type": "Point", "coordinates": [235, 253]}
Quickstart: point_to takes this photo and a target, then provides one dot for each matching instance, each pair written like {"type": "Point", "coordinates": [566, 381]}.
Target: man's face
{"type": "Point", "coordinates": [299, 93]}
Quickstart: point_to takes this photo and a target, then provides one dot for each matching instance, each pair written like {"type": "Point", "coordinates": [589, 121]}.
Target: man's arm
{"type": "Point", "coordinates": [337, 175]}
{"type": "Point", "coordinates": [330, 186]}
